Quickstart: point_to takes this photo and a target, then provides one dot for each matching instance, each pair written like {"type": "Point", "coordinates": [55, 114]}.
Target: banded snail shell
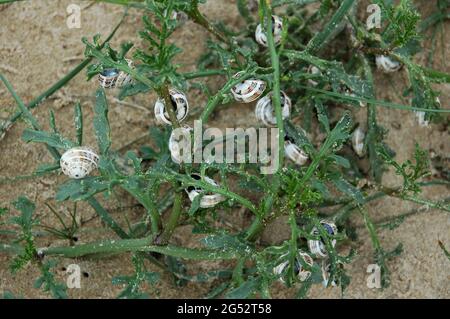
{"type": "Point", "coordinates": [179, 104]}
{"type": "Point", "coordinates": [317, 247]}
{"type": "Point", "coordinates": [265, 111]}
{"type": "Point", "coordinates": [183, 143]}
{"type": "Point", "coordinates": [208, 200]}
{"type": "Point", "coordinates": [358, 137]}
{"type": "Point", "coordinates": [248, 90]}
{"type": "Point", "coordinates": [78, 162]}
{"type": "Point", "coordinates": [277, 30]}
{"type": "Point", "coordinates": [112, 77]}
{"type": "Point", "coordinates": [302, 273]}
{"type": "Point", "coordinates": [294, 153]}
{"type": "Point", "coordinates": [387, 64]}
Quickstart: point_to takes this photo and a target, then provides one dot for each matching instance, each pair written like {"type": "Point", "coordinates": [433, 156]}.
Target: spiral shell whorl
{"type": "Point", "coordinates": [78, 162]}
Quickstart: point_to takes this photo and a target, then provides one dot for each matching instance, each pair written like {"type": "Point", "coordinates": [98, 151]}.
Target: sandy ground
{"type": "Point", "coordinates": [37, 48]}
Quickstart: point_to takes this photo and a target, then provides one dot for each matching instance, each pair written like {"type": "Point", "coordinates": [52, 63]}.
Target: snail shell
{"type": "Point", "coordinates": [294, 153]}
{"type": "Point", "coordinates": [313, 70]}
{"type": "Point", "coordinates": [175, 146]}
{"type": "Point", "coordinates": [387, 64]}
{"type": "Point", "coordinates": [248, 90]}
{"type": "Point", "coordinates": [78, 162]}
{"type": "Point", "coordinates": [358, 141]}
{"type": "Point", "coordinates": [302, 274]}
{"type": "Point", "coordinates": [179, 104]}
{"type": "Point", "coordinates": [112, 77]}
{"type": "Point", "coordinates": [208, 200]}
{"type": "Point", "coordinates": [277, 30]}
{"type": "Point", "coordinates": [317, 247]}
{"type": "Point", "coordinates": [265, 111]}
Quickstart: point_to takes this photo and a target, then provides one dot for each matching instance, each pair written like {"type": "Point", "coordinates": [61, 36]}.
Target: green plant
{"type": "Point", "coordinates": [302, 193]}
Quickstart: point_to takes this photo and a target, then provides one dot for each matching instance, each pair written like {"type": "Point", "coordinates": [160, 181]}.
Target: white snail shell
{"type": "Point", "coordinates": [302, 274]}
{"type": "Point", "coordinates": [326, 273]}
{"type": "Point", "coordinates": [175, 146]}
{"type": "Point", "coordinates": [277, 30]}
{"type": "Point", "coordinates": [78, 162]}
{"type": "Point", "coordinates": [265, 111]}
{"type": "Point", "coordinates": [112, 77]}
{"type": "Point", "coordinates": [317, 247]}
{"type": "Point", "coordinates": [312, 69]}
{"type": "Point", "coordinates": [207, 200]}
{"type": "Point", "coordinates": [179, 103]}
{"type": "Point", "coordinates": [358, 141]}
{"type": "Point", "coordinates": [387, 64]}
{"type": "Point", "coordinates": [295, 153]}
{"type": "Point", "coordinates": [248, 90]}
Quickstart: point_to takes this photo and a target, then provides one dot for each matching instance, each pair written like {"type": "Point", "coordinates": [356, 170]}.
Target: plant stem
{"type": "Point", "coordinates": [276, 96]}
{"type": "Point", "coordinates": [132, 245]}
{"type": "Point", "coordinates": [173, 220]}
{"type": "Point", "coordinates": [203, 73]}
{"type": "Point", "coordinates": [196, 16]}
{"type": "Point", "coordinates": [164, 93]}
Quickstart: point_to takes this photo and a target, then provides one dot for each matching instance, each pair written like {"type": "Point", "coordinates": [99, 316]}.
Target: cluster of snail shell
{"type": "Point", "coordinates": [114, 78]}
{"type": "Point", "coordinates": [207, 200]}
{"type": "Point", "coordinates": [316, 249]}
{"type": "Point", "coordinates": [300, 271]}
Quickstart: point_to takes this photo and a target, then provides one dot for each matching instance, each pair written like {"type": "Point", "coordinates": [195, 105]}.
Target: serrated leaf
{"type": "Point", "coordinates": [51, 139]}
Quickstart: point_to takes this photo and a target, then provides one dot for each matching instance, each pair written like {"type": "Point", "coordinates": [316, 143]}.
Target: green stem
{"type": "Point", "coordinates": [276, 96]}
{"type": "Point", "coordinates": [202, 73]}
{"type": "Point", "coordinates": [173, 220]}
{"type": "Point", "coordinates": [196, 16]}
{"type": "Point", "coordinates": [106, 218]}
{"type": "Point", "coordinates": [133, 245]}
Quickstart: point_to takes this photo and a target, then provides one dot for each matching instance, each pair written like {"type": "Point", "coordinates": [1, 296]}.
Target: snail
{"type": "Point", "coordinates": [248, 90]}
{"type": "Point", "coordinates": [175, 146]}
{"type": "Point", "coordinates": [301, 273]}
{"type": "Point", "coordinates": [293, 152]}
{"type": "Point", "coordinates": [277, 29]}
{"type": "Point", "coordinates": [78, 162]}
{"type": "Point", "coordinates": [313, 70]}
{"type": "Point", "coordinates": [265, 111]}
{"type": "Point", "coordinates": [358, 141]}
{"type": "Point", "coordinates": [179, 104]}
{"type": "Point", "coordinates": [209, 199]}
{"type": "Point", "coordinates": [112, 77]}
{"type": "Point", "coordinates": [317, 247]}
{"type": "Point", "coordinates": [387, 64]}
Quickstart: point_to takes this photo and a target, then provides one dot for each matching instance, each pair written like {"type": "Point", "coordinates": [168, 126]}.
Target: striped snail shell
{"type": "Point", "coordinates": [112, 77]}
{"type": "Point", "coordinates": [208, 200]}
{"type": "Point", "coordinates": [302, 274]}
{"type": "Point", "coordinates": [317, 247]}
{"type": "Point", "coordinates": [277, 30]}
{"type": "Point", "coordinates": [248, 90]}
{"type": "Point", "coordinates": [293, 152]}
{"type": "Point", "coordinates": [184, 142]}
{"type": "Point", "coordinates": [265, 111]}
{"type": "Point", "coordinates": [179, 104]}
{"type": "Point", "coordinates": [358, 141]}
{"type": "Point", "coordinates": [78, 162]}
{"type": "Point", "coordinates": [387, 64]}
